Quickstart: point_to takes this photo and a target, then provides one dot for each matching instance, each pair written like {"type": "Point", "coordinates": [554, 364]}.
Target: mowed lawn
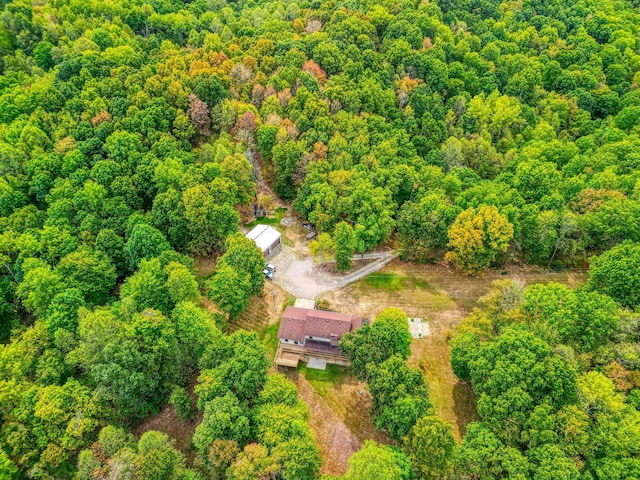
{"type": "Point", "coordinates": [443, 298]}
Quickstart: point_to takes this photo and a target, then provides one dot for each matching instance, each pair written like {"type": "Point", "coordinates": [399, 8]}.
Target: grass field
{"type": "Point", "coordinates": [271, 220]}
{"type": "Point", "coordinates": [269, 337]}
{"type": "Point", "coordinates": [324, 381]}
{"type": "Point", "coordinates": [347, 397]}
{"type": "Point", "coordinates": [392, 282]}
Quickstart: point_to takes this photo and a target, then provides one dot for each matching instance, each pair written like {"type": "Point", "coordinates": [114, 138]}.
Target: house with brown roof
{"type": "Point", "coordinates": [313, 336]}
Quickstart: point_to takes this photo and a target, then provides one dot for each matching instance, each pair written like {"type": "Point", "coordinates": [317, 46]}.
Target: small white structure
{"type": "Point", "coordinates": [267, 238]}
{"type": "Point", "coordinates": [419, 328]}
{"type": "Point", "coordinates": [304, 303]}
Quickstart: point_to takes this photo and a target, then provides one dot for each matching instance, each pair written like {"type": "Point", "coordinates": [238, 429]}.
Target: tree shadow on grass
{"type": "Point", "coordinates": [464, 405]}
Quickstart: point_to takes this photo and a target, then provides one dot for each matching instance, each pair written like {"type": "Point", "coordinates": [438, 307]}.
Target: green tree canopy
{"type": "Point", "coordinates": [389, 335]}
{"type": "Point", "coordinates": [615, 273]}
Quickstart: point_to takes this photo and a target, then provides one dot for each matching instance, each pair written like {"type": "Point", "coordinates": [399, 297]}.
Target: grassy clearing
{"type": "Point", "coordinates": [347, 397]}
{"type": "Point", "coordinates": [389, 282]}
{"type": "Point", "coordinates": [270, 220]}
{"type": "Point", "coordinates": [324, 381]}
{"type": "Point", "coordinates": [443, 298]}
{"type": "Point", "coordinates": [393, 282]}
{"type": "Point", "coordinates": [269, 338]}
{"type": "Point", "coordinates": [287, 241]}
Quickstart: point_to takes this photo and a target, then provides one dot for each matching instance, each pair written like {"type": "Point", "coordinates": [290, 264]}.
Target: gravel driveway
{"type": "Point", "coordinates": [301, 277]}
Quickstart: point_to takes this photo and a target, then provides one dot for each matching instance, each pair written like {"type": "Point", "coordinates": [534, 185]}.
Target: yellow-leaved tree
{"type": "Point", "coordinates": [476, 237]}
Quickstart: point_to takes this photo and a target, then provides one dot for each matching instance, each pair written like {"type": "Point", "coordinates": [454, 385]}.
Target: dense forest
{"type": "Point", "coordinates": [134, 136]}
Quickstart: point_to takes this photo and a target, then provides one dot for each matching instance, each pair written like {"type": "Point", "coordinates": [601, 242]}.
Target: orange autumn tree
{"type": "Point", "coordinates": [477, 237]}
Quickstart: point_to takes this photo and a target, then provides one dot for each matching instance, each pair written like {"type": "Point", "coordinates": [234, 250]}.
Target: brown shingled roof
{"type": "Point", "coordinates": [298, 322]}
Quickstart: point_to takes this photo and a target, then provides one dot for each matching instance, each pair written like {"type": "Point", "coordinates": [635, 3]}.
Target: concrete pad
{"type": "Point", "coordinates": [317, 363]}
{"type": "Point", "coordinates": [304, 303]}
{"type": "Point", "coordinates": [419, 328]}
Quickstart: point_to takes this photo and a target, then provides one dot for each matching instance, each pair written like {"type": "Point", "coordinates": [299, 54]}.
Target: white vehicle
{"type": "Point", "coordinates": [269, 271]}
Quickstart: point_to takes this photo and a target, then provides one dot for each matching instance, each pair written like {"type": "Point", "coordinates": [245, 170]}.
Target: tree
{"type": "Point", "coordinates": [145, 242]}
{"type": "Point", "coordinates": [113, 439]}
{"type": "Point", "coordinates": [617, 273]}
{"type": "Point", "coordinates": [146, 288]}
{"type": "Point", "coordinates": [39, 286]}
{"type": "Point", "coordinates": [181, 284]}
{"type": "Point", "coordinates": [42, 55]}
{"type": "Point", "coordinates": [133, 370]}
{"type": "Point", "coordinates": [379, 462]}
{"type": "Point", "coordinates": [298, 457]}
{"type": "Point", "coordinates": [597, 320]}
{"type": "Point", "coordinates": [266, 140]}
{"type": "Point", "coordinates": [463, 347]}
{"type": "Point", "coordinates": [157, 459]}
{"type": "Point", "coordinates": [230, 290]}
{"type": "Point", "coordinates": [253, 462]}
{"type": "Point", "coordinates": [238, 170]}
{"type": "Point", "coordinates": [477, 237]}
{"type": "Point", "coordinates": [91, 272]}
{"type": "Point", "coordinates": [209, 221]}
{"type": "Point", "coordinates": [431, 446]}
{"type": "Point", "coordinates": [345, 244]}
{"type": "Point", "coordinates": [225, 418]}
{"type": "Point", "coordinates": [400, 396]}
{"type": "Point", "coordinates": [116, 455]}
{"type": "Point", "coordinates": [195, 330]}
{"type": "Point", "coordinates": [423, 225]}
{"type": "Point", "coordinates": [513, 374]}
{"type": "Point", "coordinates": [244, 256]}
{"type": "Point", "coordinates": [45, 429]}
{"type": "Point", "coordinates": [112, 245]}
{"type": "Point", "coordinates": [181, 400]}
{"type": "Point", "coordinates": [63, 311]}
{"type": "Point", "coordinates": [552, 310]}
{"type": "Point", "coordinates": [286, 157]}
{"type": "Point", "coordinates": [8, 311]}
{"type": "Point", "coordinates": [482, 454]}
{"type": "Point", "coordinates": [237, 363]}
{"type": "Point", "coordinates": [322, 248]}
{"type": "Point", "coordinates": [266, 202]}
{"type": "Point", "coordinates": [8, 469]}
{"type": "Point", "coordinates": [199, 114]}
{"type": "Point", "coordinates": [389, 335]}
{"type": "Point", "coordinates": [278, 390]}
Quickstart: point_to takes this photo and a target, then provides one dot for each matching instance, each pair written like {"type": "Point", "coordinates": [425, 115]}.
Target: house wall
{"type": "Point", "coordinates": [335, 361]}
{"type": "Point", "coordinates": [272, 248]}
{"type": "Point", "coordinates": [317, 339]}
{"type": "Point", "coordinates": [291, 342]}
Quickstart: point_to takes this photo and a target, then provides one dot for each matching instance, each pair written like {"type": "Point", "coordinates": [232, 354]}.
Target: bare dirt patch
{"type": "Point", "coordinates": [205, 266]}
{"type": "Point", "coordinates": [167, 421]}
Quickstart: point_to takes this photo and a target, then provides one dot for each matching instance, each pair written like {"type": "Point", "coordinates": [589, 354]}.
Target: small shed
{"type": "Point", "coordinates": [267, 238]}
